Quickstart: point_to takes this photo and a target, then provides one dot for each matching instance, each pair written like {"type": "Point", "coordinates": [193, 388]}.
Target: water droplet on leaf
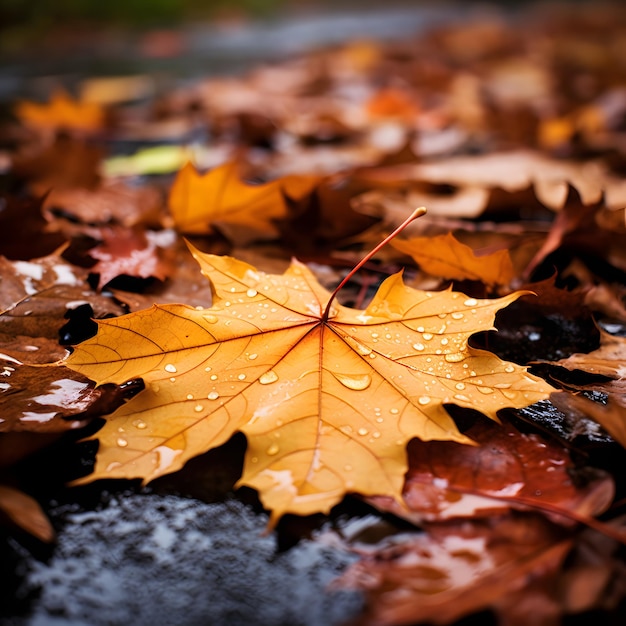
{"type": "Point", "coordinates": [357, 382]}
{"type": "Point", "coordinates": [268, 377]}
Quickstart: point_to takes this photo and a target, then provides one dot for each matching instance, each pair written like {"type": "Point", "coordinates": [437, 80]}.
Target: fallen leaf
{"type": "Point", "coordinates": [130, 253]}
{"type": "Point", "coordinates": [67, 163]}
{"type": "Point", "coordinates": [608, 360]}
{"type": "Point", "coordinates": [220, 198]}
{"type": "Point", "coordinates": [327, 396]}
{"type": "Point", "coordinates": [508, 469]}
{"type": "Point", "coordinates": [62, 112]}
{"type": "Point", "coordinates": [611, 416]}
{"type": "Point", "coordinates": [25, 512]}
{"type": "Point", "coordinates": [148, 161]}
{"type": "Point", "coordinates": [39, 399]}
{"type": "Point", "coordinates": [454, 569]}
{"type": "Point", "coordinates": [512, 171]}
{"type": "Point", "coordinates": [447, 257]}
{"type": "Point", "coordinates": [108, 202]}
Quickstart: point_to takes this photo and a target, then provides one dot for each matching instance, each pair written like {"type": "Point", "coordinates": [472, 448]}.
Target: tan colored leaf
{"type": "Point", "coordinates": [447, 257]}
{"type": "Point", "coordinates": [108, 202]}
{"type": "Point", "coordinates": [608, 360]}
{"type": "Point", "coordinates": [25, 512]}
{"type": "Point", "coordinates": [327, 396]}
{"type": "Point", "coordinates": [514, 171]}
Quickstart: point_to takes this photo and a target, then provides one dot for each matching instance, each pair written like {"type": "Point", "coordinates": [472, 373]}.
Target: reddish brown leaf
{"type": "Point", "coordinates": [130, 253]}
{"type": "Point", "coordinates": [110, 202]}
{"type": "Point", "coordinates": [40, 398]}
{"type": "Point", "coordinates": [507, 470]}
{"type": "Point", "coordinates": [454, 569]}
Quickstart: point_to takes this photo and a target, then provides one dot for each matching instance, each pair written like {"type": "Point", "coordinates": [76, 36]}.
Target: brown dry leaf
{"type": "Point", "coordinates": [62, 112]}
{"type": "Point", "coordinates": [447, 257]}
{"type": "Point", "coordinates": [509, 469]}
{"type": "Point", "coordinates": [220, 198]}
{"type": "Point", "coordinates": [327, 396]}
{"type": "Point", "coordinates": [455, 569]}
{"type": "Point", "coordinates": [37, 298]}
{"type": "Point", "coordinates": [111, 201]}
{"type": "Point", "coordinates": [25, 512]}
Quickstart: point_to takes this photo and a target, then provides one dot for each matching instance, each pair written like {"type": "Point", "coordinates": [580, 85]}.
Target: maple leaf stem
{"type": "Point", "coordinates": [417, 213]}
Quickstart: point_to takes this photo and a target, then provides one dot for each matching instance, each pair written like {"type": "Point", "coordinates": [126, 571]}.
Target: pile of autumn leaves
{"type": "Point", "coordinates": [320, 159]}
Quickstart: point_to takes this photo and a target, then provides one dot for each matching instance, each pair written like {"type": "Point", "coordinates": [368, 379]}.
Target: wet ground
{"type": "Point", "coordinates": [189, 550]}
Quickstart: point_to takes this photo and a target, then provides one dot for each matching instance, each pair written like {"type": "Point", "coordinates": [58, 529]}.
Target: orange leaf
{"type": "Point", "coordinates": [25, 512]}
{"type": "Point", "coordinates": [219, 197]}
{"type": "Point", "coordinates": [447, 257]}
{"type": "Point", "coordinates": [62, 112]}
{"type": "Point", "coordinates": [328, 402]}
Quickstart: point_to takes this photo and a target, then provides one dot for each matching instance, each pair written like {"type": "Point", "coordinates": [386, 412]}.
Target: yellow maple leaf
{"type": "Point", "coordinates": [62, 111]}
{"type": "Point", "coordinates": [219, 197]}
{"type": "Point", "coordinates": [446, 256]}
{"type": "Point", "coordinates": [327, 396]}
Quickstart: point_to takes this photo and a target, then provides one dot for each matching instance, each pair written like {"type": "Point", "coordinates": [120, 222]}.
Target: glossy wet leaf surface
{"type": "Point", "coordinates": [327, 404]}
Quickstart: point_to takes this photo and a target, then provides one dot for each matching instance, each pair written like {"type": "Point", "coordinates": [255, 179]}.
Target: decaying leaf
{"type": "Point", "coordinates": [447, 257]}
{"type": "Point", "coordinates": [327, 396]}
